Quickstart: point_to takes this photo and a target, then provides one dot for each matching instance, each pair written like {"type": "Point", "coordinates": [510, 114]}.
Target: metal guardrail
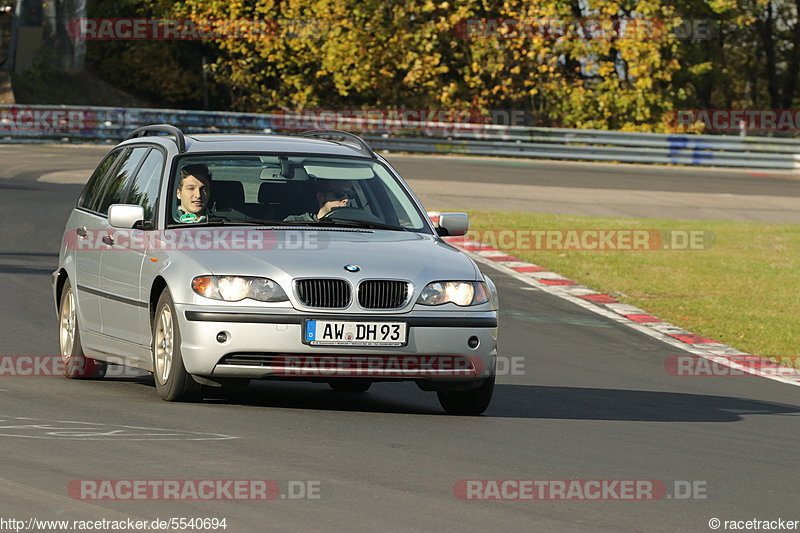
{"type": "Point", "coordinates": [74, 123]}
{"type": "Point", "coordinates": [81, 123]}
{"type": "Point", "coordinates": [677, 151]}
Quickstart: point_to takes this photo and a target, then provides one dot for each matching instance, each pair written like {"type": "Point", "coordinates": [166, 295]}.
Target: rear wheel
{"type": "Point", "coordinates": [173, 383]}
{"type": "Point", "coordinates": [76, 364]}
{"type": "Point", "coordinates": [350, 385]}
{"type": "Point", "coordinates": [470, 402]}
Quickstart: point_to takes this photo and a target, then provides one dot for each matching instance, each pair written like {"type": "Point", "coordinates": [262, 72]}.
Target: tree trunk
{"type": "Point", "coordinates": [766, 29]}
{"type": "Point", "coordinates": [793, 60]}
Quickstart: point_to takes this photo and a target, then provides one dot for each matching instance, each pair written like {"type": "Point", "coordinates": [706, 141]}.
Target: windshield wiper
{"type": "Point", "coordinates": [350, 223]}
{"type": "Point", "coordinates": [295, 223]}
{"type": "Point", "coordinates": [342, 222]}
{"type": "Point", "coordinates": [216, 221]}
{"type": "Point", "coordinates": [211, 222]}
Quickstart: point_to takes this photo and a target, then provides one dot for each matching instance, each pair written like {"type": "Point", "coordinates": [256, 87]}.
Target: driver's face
{"type": "Point", "coordinates": [193, 195]}
{"type": "Point", "coordinates": [334, 195]}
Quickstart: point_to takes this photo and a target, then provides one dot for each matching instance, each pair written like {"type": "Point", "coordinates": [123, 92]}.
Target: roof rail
{"type": "Point", "coordinates": [169, 129]}
{"type": "Point", "coordinates": [344, 137]}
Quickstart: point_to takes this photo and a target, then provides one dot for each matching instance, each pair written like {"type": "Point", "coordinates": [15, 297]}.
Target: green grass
{"type": "Point", "coordinates": [744, 291]}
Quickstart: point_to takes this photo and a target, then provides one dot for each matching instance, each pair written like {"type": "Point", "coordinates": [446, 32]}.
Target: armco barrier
{"type": "Point", "coordinates": [603, 149]}
{"type": "Point", "coordinates": [73, 123]}
{"type": "Point", "coordinates": [48, 123]}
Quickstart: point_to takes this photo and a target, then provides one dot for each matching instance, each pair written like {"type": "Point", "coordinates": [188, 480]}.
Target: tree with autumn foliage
{"type": "Point", "coordinates": [753, 59]}
{"type": "Point", "coordinates": [416, 54]}
{"type": "Point", "coordinates": [472, 55]}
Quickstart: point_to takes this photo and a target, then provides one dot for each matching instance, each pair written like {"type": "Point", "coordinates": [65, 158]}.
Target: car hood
{"type": "Point", "coordinates": [283, 254]}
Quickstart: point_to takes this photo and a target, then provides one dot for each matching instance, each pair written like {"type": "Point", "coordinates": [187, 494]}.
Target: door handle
{"type": "Point", "coordinates": [107, 239]}
{"type": "Point", "coordinates": [81, 232]}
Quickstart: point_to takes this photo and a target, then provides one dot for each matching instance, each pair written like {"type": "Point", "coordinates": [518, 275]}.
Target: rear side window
{"type": "Point", "coordinates": [94, 184]}
{"type": "Point", "coordinates": [144, 191]}
{"type": "Point", "coordinates": [117, 187]}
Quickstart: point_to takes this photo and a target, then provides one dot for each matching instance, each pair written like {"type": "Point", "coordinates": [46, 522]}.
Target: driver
{"type": "Point", "coordinates": [331, 195]}
{"type": "Point", "coordinates": [194, 189]}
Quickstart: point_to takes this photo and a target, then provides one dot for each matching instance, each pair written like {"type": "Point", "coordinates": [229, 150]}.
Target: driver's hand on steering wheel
{"type": "Point", "coordinates": [332, 205]}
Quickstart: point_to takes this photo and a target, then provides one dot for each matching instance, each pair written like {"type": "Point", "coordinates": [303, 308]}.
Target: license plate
{"type": "Point", "coordinates": [342, 333]}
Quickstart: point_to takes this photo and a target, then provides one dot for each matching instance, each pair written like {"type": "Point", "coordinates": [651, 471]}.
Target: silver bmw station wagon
{"type": "Point", "coordinates": [211, 260]}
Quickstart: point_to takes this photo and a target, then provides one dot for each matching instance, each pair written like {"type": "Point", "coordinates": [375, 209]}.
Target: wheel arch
{"type": "Point", "coordinates": [61, 279]}
{"type": "Point", "coordinates": [159, 284]}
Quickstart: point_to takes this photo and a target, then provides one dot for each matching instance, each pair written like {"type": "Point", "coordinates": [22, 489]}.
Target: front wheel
{"type": "Point", "coordinates": [470, 402]}
{"type": "Point", "coordinates": [173, 383]}
{"type": "Point", "coordinates": [76, 364]}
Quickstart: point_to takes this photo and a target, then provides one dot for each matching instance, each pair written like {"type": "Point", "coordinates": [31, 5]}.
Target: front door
{"type": "Point", "coordinates": [125, 307]}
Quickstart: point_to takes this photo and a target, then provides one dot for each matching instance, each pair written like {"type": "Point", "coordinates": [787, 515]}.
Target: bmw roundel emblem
{"type": "Point", "coordinates": [352, 268]}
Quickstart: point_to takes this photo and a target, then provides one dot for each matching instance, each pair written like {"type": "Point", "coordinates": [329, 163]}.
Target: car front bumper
{"type": "Point", "coordinates": [269, 345]}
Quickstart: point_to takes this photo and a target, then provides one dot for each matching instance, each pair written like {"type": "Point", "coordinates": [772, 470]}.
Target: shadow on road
{"type": "Point", "coordinates": [29, 254]}
{"type": "Point", "coordinates": [317, 396]}
{"type": "Point", "coordinates": [575, 403]}
{"type": "Point", "coordinates": [21, 269]}
{"type": "Point", "coordinates": [510, 401]}
{"type": "Point", "coordinates": [29, 257]}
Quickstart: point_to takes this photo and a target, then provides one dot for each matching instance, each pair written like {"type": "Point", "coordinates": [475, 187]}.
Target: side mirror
{"type": "Point", "coordinates": [453, 224]}
{"type": "Point", "coordinates": [125, 216]}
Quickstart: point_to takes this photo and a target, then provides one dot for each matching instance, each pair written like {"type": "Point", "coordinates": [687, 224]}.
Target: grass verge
{"type": "Point", "coordinates": [743, 291]}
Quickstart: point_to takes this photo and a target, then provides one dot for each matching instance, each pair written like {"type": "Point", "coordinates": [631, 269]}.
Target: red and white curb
{"type": "Point", "coordinates": [628, 315]}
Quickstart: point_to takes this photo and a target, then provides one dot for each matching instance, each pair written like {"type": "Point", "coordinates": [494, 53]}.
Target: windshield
{"type": "Point", "coordinates": [290, 190]}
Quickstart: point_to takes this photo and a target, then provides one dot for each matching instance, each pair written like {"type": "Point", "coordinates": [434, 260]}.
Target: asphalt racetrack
{"type": "Point", "coordinates": [590, 399]}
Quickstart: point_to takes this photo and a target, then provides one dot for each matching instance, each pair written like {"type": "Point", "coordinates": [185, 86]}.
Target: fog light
{"type": "Point", "coordinates": [473, 342]}
{"type": "Point", "coordinates": [222, 337]}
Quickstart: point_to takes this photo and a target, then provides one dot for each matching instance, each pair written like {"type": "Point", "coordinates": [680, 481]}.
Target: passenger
{"type": "Point", "coordinates": [193, 191]}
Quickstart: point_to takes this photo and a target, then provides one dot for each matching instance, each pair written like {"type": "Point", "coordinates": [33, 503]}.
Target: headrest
{"type": "Point", "coordinates": [272, 192]}
{"type": "Point", "coordinates": [227, 192]}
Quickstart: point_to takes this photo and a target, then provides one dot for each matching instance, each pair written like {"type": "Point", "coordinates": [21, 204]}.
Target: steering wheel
{"type": "Point", "coordinates": [351, 214]}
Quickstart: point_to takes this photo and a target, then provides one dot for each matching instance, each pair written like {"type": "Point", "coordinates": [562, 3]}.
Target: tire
{"type": "Point", "coordinates": [350, 385]}
{"type": "Point", "coordinates": [76, 364]}
{"type": "Point", "coordinates": [470, 402]}
{"type": "Point", "coordinates": [173, 383]}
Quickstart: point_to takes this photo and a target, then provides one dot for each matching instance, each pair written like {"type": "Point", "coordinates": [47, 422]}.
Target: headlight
{"type": "Point", "coordinates": [461, 293]}
{"type": "Point", "coordinates": [236, 288]}
{"type": "Point", "coordinates": [233, 289]}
